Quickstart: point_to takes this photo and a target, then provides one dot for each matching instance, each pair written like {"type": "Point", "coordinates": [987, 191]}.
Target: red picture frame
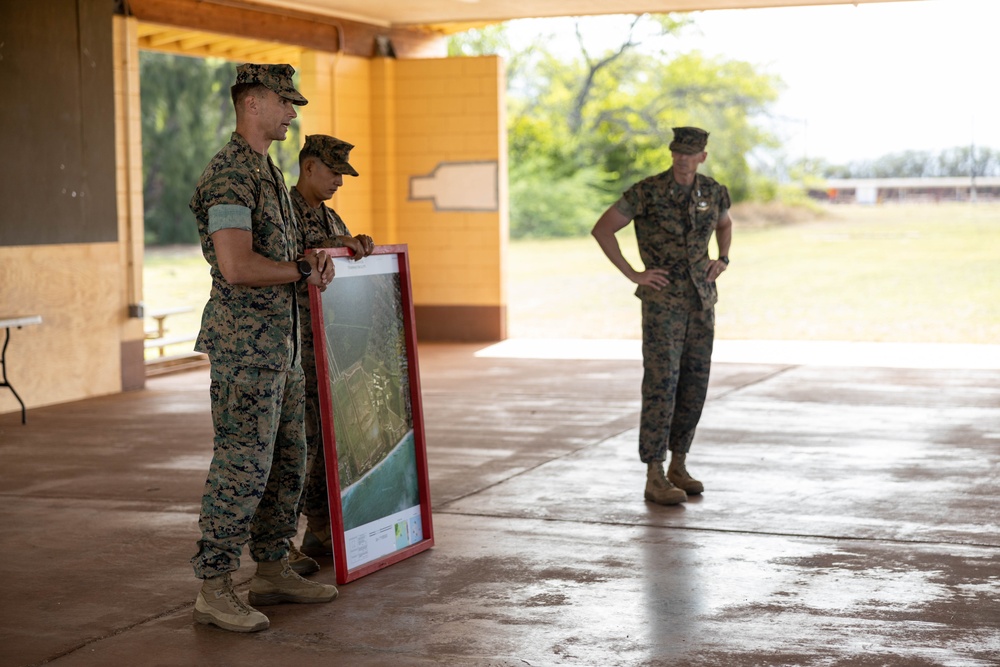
{"type": "Point", "coordinates": [364, 316]}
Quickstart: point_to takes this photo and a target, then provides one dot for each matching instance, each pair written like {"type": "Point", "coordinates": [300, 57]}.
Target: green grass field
{"type": "Point", "coordinates": [908, 273]}
{"type": "Point", "coordinates": [902, 273]}
{"type": "Point", "coordinates": [176, 276]}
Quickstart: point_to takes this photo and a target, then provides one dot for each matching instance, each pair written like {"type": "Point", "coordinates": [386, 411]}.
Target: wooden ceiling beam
{"type": "Point", "coordinates": [199, 40]}
{"type": "Point", "coordinates": [243, 51]}
{"type": "Point", "coordinates": [277, 54]}
{"type": "Point", "coordinates": [228, 43]}
{"type": "Point", "coordinates": [288, 27]}
{"type": "Point", "coordinates": [168, 37]}
{"type": "Point", "coordinates": [146, 29]}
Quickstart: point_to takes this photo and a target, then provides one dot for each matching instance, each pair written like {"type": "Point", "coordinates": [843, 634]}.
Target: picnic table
{"type": "Point", "coordinates": [158, 337]}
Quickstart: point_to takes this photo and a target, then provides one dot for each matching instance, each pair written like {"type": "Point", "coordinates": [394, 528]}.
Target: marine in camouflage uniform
{"type": "Point", "coordinates": [250, 332]}
{"type": "Point", "coordinates": [675, 214]}
{"type": "Point", "coordinates": [323, 162]}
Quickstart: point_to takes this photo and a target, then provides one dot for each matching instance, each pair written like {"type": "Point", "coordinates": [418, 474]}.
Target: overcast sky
{"type": "Point", "coordinates": [872, 79]}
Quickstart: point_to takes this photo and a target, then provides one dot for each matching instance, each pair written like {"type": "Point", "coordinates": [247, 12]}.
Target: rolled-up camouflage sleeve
{"type": "Point", "coordinates": [229, 216]}
{"type": "Point", "coordinates": [625, 208]}
{"type": "Point", "coordinates": [228, 200]}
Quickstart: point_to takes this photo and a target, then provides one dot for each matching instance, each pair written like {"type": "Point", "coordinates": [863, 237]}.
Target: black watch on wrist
{"type": "Point", "coordinates": [725, 259]}
{"type": "Point", "coordinates": [305, 269]}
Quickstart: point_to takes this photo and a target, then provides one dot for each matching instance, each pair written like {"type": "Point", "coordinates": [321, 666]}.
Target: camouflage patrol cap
{"type": "Point", "coordinates": [332, 151]}
{"type": "Point", "coordinates": [275, 77]}
{"type": "Point", "coordinates": [689, 140]}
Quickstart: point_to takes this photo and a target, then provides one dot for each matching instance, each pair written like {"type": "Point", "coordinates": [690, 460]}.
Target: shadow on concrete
{"type": "Point", "coordinates": [850, 518]}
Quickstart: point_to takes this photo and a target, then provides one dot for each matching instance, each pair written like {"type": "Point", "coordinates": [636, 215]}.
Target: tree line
{"type": "Point", "coordinates": [960, 161]}
{"type": "Point", "coordinates": [582, 126]}
{"type": "Point", "coordinates": [187, 116]}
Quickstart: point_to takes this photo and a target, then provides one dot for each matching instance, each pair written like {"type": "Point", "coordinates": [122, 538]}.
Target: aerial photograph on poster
{"type": "Point", "coordinates": [370, 389]}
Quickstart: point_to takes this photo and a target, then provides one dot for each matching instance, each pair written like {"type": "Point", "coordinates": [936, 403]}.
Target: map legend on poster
{"type": "Point", "coordinates": [382, 537]}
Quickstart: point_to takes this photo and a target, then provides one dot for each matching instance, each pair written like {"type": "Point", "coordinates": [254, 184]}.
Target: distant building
{"type": "Point", "coordinates": [908, 190]}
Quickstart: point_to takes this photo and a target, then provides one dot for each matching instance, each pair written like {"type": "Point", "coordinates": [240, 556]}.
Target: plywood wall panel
{"type": "Point", "coordinates": [75, 353]}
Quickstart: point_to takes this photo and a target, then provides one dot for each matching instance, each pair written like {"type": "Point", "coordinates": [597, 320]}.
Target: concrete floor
{"type": "Point", "coordinates": [850, 518]}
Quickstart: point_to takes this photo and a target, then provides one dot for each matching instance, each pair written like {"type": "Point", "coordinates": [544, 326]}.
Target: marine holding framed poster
{"type": "Point", "coordinates": [372, 421]}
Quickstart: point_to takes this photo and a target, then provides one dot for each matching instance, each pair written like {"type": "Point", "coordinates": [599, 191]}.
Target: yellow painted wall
{"type": "Point", "coordinates": [384, 168]}
{"type": "Point", "coordinates": [451, 110]}
{"type": "Point", "coordinates": [75, 353]}
{"type": "Point", "coordinates": [128, 175]}
{"type": "Point", "coordinates": [352, 118]}
{"type": "Point", "coordinates": [82, 291]}
{"type": "Point", "coordinates": [406, 117]}
{"type": "Point", "coordinates": [339, 92]}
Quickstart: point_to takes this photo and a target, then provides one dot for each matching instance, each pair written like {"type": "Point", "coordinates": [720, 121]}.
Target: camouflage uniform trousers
{"type": "Point", "coordinates": [677, 356]}
{"type": "Point", "coordinates": [257, 470]}
{"type": "Point", "coordinates": [314, 503]}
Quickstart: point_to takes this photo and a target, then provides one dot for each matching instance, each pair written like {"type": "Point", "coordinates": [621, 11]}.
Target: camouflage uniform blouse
{"type": "Point", "coordinates": [318, 228]}
{"type": "Point", "coordinates": [673, 226]}
{"type": "Point", "coordinates": [250, 326]}
{"type": "Point", "coordinates": [317, 224]}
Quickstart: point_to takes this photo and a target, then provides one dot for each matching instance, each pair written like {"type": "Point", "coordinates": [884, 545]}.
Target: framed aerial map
{"type": "Point", "coordinates": [372, 421]}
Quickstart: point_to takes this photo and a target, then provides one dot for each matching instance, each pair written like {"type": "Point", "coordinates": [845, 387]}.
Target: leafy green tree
{"type": "Point", "coordinates": [631, 136]}
{"type": "Point", "coordinates": [187, 116]}
{"type": "Point", "coordinates": [582, 128]}
{"type": "Point", "coordinates": [184, 122]}
{"type": "Point", "coordinates": [489, 40]}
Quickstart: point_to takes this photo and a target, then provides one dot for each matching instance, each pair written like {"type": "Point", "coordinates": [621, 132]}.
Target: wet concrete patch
{"type": "Point", "coordinates": [849, 519]}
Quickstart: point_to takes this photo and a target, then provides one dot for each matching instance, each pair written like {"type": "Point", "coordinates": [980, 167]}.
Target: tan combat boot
{"type": "Point", "coordinates": [679, 477]}
{"type": "Point", "coordinates": [301, 563]}
{"type": "Point", "coordinates": [317, 542]}
{"type": "Point", "coordinates": [276, 582]}
{"type": "Point", "coordinates": [217, 604]}
{"type": "Point", "coordinates": [659, 490]}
